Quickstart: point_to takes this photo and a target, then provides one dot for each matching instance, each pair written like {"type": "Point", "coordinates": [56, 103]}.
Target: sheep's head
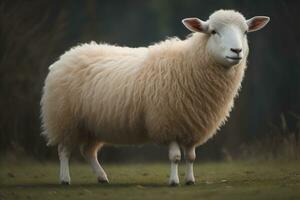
{"type": "Point", "coordinates": [227, 30]}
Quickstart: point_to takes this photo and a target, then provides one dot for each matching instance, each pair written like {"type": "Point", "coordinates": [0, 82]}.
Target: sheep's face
{"type": "Point", "coordinates": [227, 43]}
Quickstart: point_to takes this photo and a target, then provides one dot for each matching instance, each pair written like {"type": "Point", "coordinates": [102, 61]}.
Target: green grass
{"type": "Point", "coordinates": [233, 180]}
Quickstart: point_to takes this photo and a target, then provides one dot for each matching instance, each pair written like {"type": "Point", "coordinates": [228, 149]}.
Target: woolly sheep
{"type": "Point", "coordinates": [176, 92]}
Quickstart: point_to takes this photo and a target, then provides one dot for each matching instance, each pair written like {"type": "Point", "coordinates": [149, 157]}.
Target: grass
{"type": "Point", "coordinates": [230, 180]}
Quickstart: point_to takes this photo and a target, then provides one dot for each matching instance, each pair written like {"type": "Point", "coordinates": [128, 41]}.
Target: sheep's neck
{"type": "Point", "coordinates": [186, 93]}
{"type": "Point", "coordinates": [208, 76]}
{"type": "Point", "coordinates": [207, 90]}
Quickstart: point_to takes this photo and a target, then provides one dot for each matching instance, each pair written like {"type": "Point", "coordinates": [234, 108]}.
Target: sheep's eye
{"type": "Point", "coordinates": [246, 32]}
{"type": "Point", "coordinates": [213, 32]}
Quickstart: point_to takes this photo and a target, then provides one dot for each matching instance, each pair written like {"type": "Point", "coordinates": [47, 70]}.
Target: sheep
{"type": "Point", "coordinates": [175, 92]}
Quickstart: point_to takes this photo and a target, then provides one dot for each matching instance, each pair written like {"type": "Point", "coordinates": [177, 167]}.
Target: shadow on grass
{"type": "Point", "coordinates": [80, 185]}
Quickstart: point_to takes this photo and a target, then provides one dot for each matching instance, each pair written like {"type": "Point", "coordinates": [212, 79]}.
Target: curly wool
{"type": "Point", "coordinates": [170, 91]}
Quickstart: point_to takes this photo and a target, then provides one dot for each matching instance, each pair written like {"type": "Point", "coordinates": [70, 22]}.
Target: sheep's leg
{"type": "Point", "coordinates": [90, 152]}
{"type": "Point", "coordinates": [64, 153]}
{"type": "Point", "coordinates": [190, 157]}
{"type": "Point", "coordinates": [174, 156]}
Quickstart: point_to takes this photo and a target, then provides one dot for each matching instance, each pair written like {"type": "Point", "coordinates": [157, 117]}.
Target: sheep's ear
{"type": "Point", "coordinates": [195, 25]}
{"type": "Point", "coordinates": [256, 23]}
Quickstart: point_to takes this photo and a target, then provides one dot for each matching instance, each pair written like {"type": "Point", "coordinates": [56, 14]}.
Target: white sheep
{"type": "Point", "coordinates": [176, 92]}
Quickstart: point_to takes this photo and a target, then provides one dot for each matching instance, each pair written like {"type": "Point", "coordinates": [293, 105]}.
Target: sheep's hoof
{"type": "Point", "coordinates": [65, 183]}
{"type": "Point", "coordinates": [190, 183]}
{"type": "Point", "coordinates": [173, 184]}
{"type": "Point", "coordinates": [103, 181]}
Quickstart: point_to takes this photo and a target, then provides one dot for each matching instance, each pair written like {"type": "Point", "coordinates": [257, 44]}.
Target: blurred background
{"type": "Point", "coordinates": [264, 124]}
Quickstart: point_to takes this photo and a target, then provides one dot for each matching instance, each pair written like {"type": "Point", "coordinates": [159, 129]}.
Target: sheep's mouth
{"type": "Point", "coordinates": [234, 58]}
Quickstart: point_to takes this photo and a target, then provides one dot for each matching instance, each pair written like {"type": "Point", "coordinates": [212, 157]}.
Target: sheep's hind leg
{"type": "Point", "coordinates": [190, 156]}
{"type": "Point", "coordinates": [90, 152]}
{"type": "Point", "coordinates": [64, 153]}
{"type": "Point", "coordinates": [174, 156]}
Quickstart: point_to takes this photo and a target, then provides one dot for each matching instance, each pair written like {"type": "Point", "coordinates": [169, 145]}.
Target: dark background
{"type": "Point", "coordinates": [265, 120]}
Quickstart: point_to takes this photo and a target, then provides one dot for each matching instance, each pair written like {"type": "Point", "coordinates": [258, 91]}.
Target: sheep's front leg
{"type": "Point", "coordinates": [174, 156]}
{"type": "Point", "coordinates": [190, 156]}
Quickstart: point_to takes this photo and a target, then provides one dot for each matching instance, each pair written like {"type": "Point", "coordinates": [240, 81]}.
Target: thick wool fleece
{"type": "Point", "coordinates": [170, 91]}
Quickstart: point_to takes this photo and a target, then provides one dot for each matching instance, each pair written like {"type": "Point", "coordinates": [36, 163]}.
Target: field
{"type": "Point", "coordinates": [223, 180]}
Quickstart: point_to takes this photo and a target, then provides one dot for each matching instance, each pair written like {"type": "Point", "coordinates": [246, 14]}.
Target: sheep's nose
{"type": "Point", "coordinates": [237, 51]}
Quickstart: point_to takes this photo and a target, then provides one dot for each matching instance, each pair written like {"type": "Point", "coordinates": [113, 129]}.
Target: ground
{"type": "Point", "coordinates": [220, 180]}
